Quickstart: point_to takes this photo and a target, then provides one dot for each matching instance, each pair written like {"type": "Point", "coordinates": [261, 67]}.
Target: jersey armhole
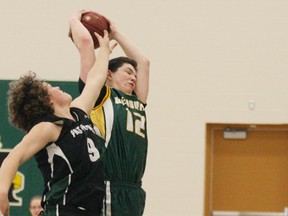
{"type": "Point", "coordinates": [102, 94]}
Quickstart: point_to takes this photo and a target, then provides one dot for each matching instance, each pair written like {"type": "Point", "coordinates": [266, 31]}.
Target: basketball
{"type": "Point", "coordinates": [95, 22]}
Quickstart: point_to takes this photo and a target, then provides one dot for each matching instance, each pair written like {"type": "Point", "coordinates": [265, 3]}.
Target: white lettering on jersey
{"type": "Point", "coordinates": [79, 129]}
{"type": "Point", "coordinates": [130, 103]}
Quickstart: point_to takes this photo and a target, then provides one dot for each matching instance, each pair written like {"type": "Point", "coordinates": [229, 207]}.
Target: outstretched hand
{"type": "Point", "coordinates": [77, 15]}
{"type": "Point", "coordinates": [104, 41]}
{"type": "Point", "coordinates": [113, 28]}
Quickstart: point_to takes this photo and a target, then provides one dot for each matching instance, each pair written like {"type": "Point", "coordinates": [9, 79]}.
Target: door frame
{"type": "Point", "coordinates": [210, 127]}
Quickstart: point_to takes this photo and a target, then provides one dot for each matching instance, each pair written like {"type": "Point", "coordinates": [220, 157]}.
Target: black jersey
{"type": "Point", "coordinates": [71, 166]}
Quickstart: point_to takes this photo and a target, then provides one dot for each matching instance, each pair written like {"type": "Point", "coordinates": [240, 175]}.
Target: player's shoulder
{"type": "Point", "coordinates": [45, 130]}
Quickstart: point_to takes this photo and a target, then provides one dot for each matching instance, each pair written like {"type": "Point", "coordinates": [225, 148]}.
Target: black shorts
{"type": "Point", "coordinates": [62, 210]}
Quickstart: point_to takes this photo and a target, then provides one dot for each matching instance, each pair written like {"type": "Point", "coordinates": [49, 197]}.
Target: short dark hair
{"type": "Point", "coordinates": [116, 63]}
{"type": "Point", "coordinates": [28, 101]}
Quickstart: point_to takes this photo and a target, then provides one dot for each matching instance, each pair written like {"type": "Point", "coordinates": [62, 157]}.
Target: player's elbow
{"type": "Point", "coordinates": [145, 61]}
{"type": "Point", "coordinates": [86, 41]}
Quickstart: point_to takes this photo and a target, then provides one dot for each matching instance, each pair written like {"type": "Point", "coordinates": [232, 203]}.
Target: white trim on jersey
{"type": "Point", "coordinates": [52, 150]}
{"type": "Point", "coordinates": [107, 200]}
{"type": "Point", "coordinates": [109, 119]}
{"type": "Point", "coordinates": [69, 182]}
{"type": "Point", "coordinates": [57, 210]}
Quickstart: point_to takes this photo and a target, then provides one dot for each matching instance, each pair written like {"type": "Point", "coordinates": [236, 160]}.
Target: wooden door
{"type": "Point", "coordinates": [247, 175]}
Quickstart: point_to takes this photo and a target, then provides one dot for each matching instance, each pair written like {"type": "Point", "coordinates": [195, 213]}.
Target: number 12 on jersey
{"type": "Point", "coordinates": [137, 125]}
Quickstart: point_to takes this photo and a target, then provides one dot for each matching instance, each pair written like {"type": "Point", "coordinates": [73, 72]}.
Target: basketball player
{"type": "Point", "coordinates": [61, 136]}
{"type": "Point", "coordinates": [119, 117]}
{"type": "Point", "coordinates": [35, 205]}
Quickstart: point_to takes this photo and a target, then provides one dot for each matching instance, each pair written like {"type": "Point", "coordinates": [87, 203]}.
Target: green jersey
{"type": "Point", "coordinates": [120, 119]}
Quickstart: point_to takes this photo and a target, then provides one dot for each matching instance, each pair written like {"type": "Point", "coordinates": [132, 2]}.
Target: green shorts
{"type": "Point", "coordinates": [124, 199]}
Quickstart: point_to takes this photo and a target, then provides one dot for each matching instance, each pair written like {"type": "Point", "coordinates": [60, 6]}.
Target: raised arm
{"type": "Point", "coordinates": [96, 76]}
{"type": "Point", "coordinates": [83, 42]}
{"type": "Point", "coordinates": [143, 64]}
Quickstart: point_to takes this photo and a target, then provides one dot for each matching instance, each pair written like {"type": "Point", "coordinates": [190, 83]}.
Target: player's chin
{"type": "Point", "coordinates": [128, 91]}
{"type": "Point", "coordinates": [69, 98]}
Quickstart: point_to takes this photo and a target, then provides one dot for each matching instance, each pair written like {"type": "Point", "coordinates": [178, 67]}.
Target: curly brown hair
{"type": "Point", "coordinates": [28, 101]}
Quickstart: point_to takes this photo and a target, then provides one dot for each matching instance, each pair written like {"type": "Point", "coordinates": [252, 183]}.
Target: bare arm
{"type": "Point", "coordinates": [33, 142]}
{"type": "Point", "coordinates": [83, 42]}
{"type": "Point", "coordinates": [142, 84]}
{"type": "Point", "coordinates": [96, 76]}
{"type": "Point", "coordinates": [92, 73]}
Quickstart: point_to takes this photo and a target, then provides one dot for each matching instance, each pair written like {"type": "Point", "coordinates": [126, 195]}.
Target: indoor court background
{"type": "Point", "coordinates": [212, 61]}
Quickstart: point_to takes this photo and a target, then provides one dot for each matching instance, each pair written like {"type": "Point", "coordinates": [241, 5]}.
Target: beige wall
{"type": "Point", "coordinates": [208, 59]}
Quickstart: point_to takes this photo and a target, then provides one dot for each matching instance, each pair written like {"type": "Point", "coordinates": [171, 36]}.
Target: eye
{"type": "Point", "coordinates": [129, 72]}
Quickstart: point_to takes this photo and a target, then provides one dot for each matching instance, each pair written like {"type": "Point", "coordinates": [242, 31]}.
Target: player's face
{"type": "Point", "coordinates": [124, 79]}
{"type": "Point", "coordinates": [57, 95]}
{"type": "Point", "coordinates": [35, 207]}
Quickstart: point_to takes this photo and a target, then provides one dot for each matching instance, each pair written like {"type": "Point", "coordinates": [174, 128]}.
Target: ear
{"type": "Point", "coordinates": [51, 103]}
{"type": "Point", "coordinates": [109, 75]}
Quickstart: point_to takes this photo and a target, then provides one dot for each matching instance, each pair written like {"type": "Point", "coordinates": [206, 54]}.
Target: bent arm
{"type": "Point", "coordinates": [143, 64]}
{"type": "Point", "coordinates": [96, 76]}
{"type": "Point", "coordinates": [83, 42]}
